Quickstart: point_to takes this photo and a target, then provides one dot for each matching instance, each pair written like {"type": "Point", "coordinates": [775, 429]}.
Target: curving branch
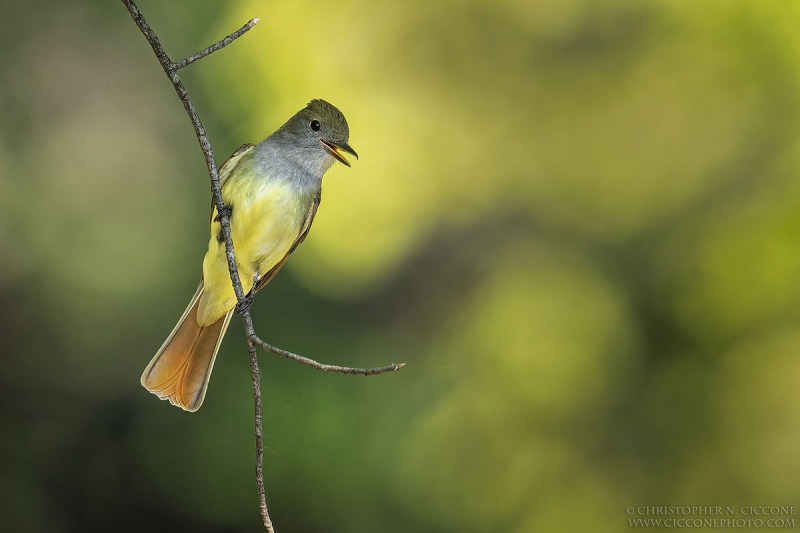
{"type": "Point", "coordinates": [171, 70]}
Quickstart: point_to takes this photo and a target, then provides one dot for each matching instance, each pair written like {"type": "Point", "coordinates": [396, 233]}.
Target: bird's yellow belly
{"type": "Point", "coordinates": [265, 222]}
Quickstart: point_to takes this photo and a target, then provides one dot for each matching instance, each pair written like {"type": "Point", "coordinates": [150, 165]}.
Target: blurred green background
{"type": "Point", "coordinates": [577, 222]}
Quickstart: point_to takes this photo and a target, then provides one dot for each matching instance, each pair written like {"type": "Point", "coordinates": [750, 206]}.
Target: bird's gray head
{"type": "Point", "coordinates": [315, 137]}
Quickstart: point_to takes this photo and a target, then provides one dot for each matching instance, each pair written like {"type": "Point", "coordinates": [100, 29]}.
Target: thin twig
{"type": "Point", "coordinates": [216, 46]}
{"type": "Point", "coordinates": [394, 367]}
{"type": "Point", "coordinates": [202, 137]}
{"type": "Point", "coordinates": [171, 70]}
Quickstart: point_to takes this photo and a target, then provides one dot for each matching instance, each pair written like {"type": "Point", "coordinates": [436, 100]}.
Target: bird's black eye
{"type": "Point", "coordinates": [315, 125]}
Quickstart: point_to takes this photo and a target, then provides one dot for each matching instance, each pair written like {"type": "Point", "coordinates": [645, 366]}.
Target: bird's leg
{"type": "Point", "coordinates": [247, 302]}
{"type": "Point", "coordinates": [226, 210]}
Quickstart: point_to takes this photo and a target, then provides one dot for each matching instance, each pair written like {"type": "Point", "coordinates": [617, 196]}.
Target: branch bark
{"type": "Point", "coordinates": [253, 341]}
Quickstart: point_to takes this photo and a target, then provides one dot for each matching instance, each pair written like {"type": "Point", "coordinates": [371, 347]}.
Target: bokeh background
{"type": "Point", "coordinates": [577, 222]}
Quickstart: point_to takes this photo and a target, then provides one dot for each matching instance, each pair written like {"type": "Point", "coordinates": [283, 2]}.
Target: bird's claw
{"type": "Point", "coordinates": [244, 306]}
{"type": "Point", "coordinates": [226, 211]}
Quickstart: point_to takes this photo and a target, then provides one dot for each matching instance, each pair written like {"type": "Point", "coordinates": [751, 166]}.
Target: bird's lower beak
{"type": "Point", "coordinates": [336, 149]}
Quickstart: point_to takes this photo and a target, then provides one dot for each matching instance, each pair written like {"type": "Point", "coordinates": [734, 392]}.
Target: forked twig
{"type": "Point", "coordinates": [171, 70]}
{"type": "Point", "coordinates": [222, 43]}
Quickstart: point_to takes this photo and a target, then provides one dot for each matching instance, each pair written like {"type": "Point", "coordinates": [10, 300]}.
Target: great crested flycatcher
{"type": "Point", "coordinates": [273, 191]}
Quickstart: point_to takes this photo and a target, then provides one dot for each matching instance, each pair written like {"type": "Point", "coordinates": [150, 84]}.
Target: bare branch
{"type": "Point", "coordinates": [243, 302]}
{"type": "Point", "coordinates": [216, 191]}
{"type": "Point", "coordinates": [171, 71]}
{"type": "Point", "coordinates": [216, 46]}
{"type": "Point", "coordinates": [394, 367]}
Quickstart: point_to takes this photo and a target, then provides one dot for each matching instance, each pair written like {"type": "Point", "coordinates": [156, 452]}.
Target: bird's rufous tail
{"type": "Point", "coordinates": [180, 370]}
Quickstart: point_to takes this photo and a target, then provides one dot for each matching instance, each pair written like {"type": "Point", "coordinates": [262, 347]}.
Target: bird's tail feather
{"type": "Point", "coordinates": [180, 370]}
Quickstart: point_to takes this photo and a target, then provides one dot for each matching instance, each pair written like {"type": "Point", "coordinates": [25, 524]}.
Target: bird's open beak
{"type": "Point", "coordinates": [336, 149]}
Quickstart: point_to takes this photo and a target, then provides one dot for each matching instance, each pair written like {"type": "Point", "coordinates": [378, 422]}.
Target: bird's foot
{"type": "Point", "coordinates": [244, 306]}
{"type": "Point", "coordinates": [225, 211]}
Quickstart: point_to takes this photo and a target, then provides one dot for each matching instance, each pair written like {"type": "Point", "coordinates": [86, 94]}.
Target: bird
{"type": "Point", "coordinates": [271, 191]}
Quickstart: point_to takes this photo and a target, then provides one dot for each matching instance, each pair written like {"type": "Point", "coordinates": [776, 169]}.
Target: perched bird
{"type": "Point", "coordinates": [272, 190]}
